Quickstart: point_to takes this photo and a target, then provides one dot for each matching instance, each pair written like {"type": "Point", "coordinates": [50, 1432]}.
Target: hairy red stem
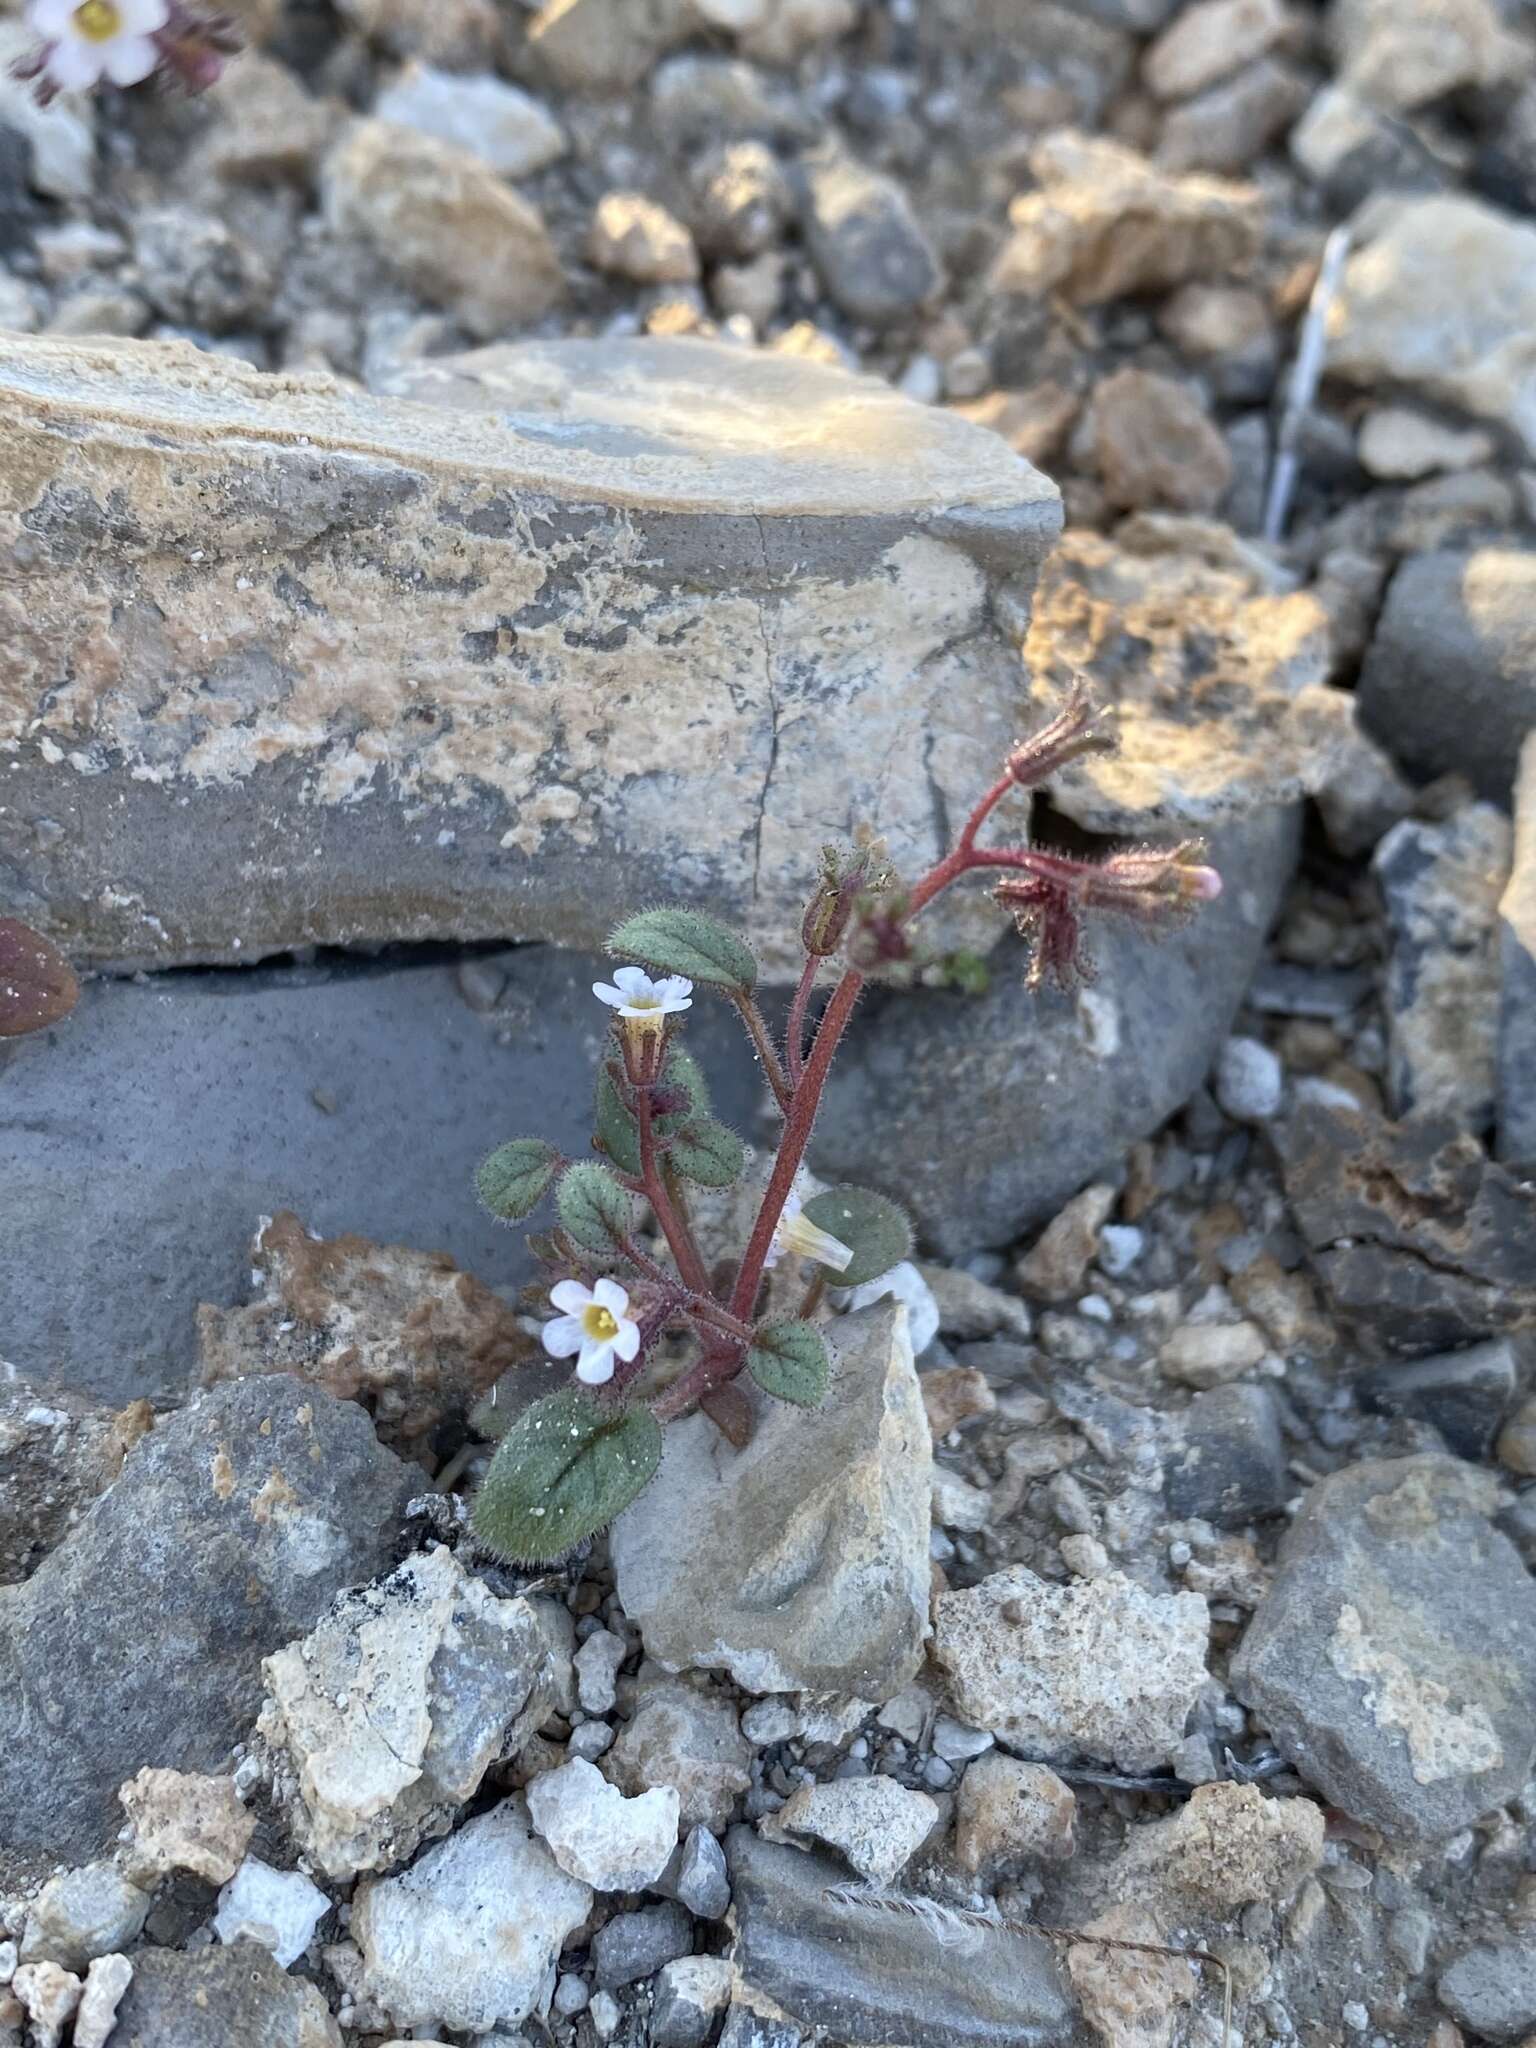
{"type": "Point", "coordinates": [684, 1250]}
{"type": "Point", "coordinates": [794, 1034]}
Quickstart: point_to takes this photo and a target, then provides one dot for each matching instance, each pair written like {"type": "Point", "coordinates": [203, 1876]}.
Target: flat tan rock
{"type": "Point", "coordinates": [550, 630]}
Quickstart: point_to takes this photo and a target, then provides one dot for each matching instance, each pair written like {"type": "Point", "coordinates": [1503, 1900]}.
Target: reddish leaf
{"type": "Point", "coordinates": [37, 984]}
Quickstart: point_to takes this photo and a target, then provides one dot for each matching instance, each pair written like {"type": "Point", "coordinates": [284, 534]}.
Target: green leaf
{"type": "Point", "coordinates": [617, 1132]}
{"type": "Point", "coordinates": [594, 1209]}
{"type": "Point", "coordinates": [789, 1361]}
{"type": "Point", "coordinates": [874, 1230]}
{"type": "Point", "coordinates": [616, 1129]}
{"type": "Point", "coordinates": [564, 1469]}
{"type": "Point", "coordinates": [708, 1153]}
{"type": "Point", "coordinates": [687, 942]}
{"type": "Point", "coordinates": [514, 1179]}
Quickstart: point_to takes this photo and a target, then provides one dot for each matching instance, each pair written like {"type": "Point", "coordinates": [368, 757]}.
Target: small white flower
{"type": "Point", "coordinates": [633, 994]}
{"type": "Point", "coordinates": [88, 40]}
{"type": "Point", "coordinates": [593, 1328]}
{"type": "Point", "coordinates": [802, 1239]}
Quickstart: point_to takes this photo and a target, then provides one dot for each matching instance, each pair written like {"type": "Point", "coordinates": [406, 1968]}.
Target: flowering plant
{"type": "Point", "coordinates": [83, 42]}
{"type": "Point", "coordinates": [573, 1461]}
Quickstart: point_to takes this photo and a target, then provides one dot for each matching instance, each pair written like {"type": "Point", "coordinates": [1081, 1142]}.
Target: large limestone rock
{"type": "Point", "coordinates": [550, 630]}
{"type": "Point", "coordinates": [800, 1563]}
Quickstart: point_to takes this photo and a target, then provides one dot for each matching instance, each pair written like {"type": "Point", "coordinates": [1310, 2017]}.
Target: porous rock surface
{"type": "Point", "coordinates": [490, 602]}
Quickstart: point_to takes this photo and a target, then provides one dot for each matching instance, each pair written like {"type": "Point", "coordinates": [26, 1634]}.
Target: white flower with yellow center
{"type": "Point", "coordinates": [645, 1002]}
{"type": "Point", "coordinates": [593, 1328]}
{"type": "Point", "coordinates": [88, 40]}
{"type": "Point", "coordinates": [796, 1234]}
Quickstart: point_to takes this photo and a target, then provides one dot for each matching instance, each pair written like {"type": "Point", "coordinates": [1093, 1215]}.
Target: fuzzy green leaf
{"type": "Point", "coordinates": [513, 1180]}
{"type": "Point", "coordinates": [616, 1129]}
{"type": "Point", "coordinates": [617, 1132]}
{"type": "Point", "coordinates": [594, 1209]}
{"type": "Point", "coordinates": [564, 1469]}
{"type": "Point", "coordinates": [687, 942]}
{"type": "Point", "coordinates": [708, 1153]}
{"type": "Point", "coordinates": [789, 1361]}
{"type": "Point", "coordinates": [874, 1230]}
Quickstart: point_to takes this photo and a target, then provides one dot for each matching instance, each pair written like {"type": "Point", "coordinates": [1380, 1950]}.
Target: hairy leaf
{"type": "Point", "coordinates": [687, 942]}
{"type": "Point", "coordinates": [594, 1209]}
{"type": "Point", "coordinates": [874, 1230]}
{"type": "Point", "coordinates": [789, 1361]}
{"type": "Point", "coordinates": [616, 1129]}
{"type": "Point", "coordinates": [708, 1153]}
{"type": "Point", "coordinates": [515, 1178]}
{"type": "Point", "coordinates": [562, 1472]}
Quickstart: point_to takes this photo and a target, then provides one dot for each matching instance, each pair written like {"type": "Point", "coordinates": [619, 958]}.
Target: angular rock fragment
{"type": "Point", "coordinates": [1394, 1658]}
{"type": "Point", "coordinates": [1097, 1668]}
{"type": "Point", "coordinates": [874, 1823]}
{"type": "Point", "coordinates": [1227, 1846]}
{"type": "Point", "coordinates": [386, 1717]}
{"type": "Point", "coordinates": [607, 1841]}
{"type": "Point", "coordinates": [817, 1539]}
{"type": "Point", "coordinates": [213, 1997]}
{"type": "Point", "coordinates": [57, 1453]}
{"type": "Point", "coordinates": [680, 1737]}
{"type": "Point", "coordinates": [263, 1498]}
{"type": "Point", "coordinates": [406, 1332]}
{"type": "Point", "coordinates": [1419, 1238]}
{"type": "Point", "coordinates": [184, 1820]}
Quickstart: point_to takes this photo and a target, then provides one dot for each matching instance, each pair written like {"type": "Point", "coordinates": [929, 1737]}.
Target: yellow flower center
{"type": "Point", "coordinates": [599, 1323]}
{"type": "Point", "coordinates": [98, 20]}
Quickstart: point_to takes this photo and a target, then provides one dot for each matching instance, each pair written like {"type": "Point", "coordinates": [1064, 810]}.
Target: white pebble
{"type": "Point", "coordinates": [1250, 1081]}
{"type": "Point", "coordinates": [278, 1908]}
{"type": "Point", "coordinates": [1120, 1246]}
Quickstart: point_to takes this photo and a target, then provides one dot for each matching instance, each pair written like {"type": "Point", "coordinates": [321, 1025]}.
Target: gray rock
{"type": "Point", "coordinates": [468, 1937]}
{"type": "Point", "coordinates": [680, 1737]}
{"type": "Point", "coordinates": [745, 2028]}
{"type": "Point", "coordinates": [57, 1452]}
{"type": "Point", "coordinates": [1463, 1394]}
{"type": "Point", "coordinates": [1492, 1989]}
{"type": "Point", "coordinates": [610, 1842]}
{"type": "Point", "coordinates": [1419, 1238]}
{"type": "Point", "coordinates": [817, 1533]}
{"type": "Point", "coordinates": [1394, 1658]}
{"type": "Point", "coordinates": [690, 1996]}
{"type": "Point", "coordinates": [870, 1977]}
{"type": "Point", "coordinates": [139, 1640]}
{"type": "Point", "coordinates": [632, 1946]}
{"type": "Point", "coordinates": [1229, 1466]}
{"type": "Point", "coordinates": [701, 1881]}
{"type": "Point", "coordinates": [874, 1823]}
{"type": "Point", "coordinates": [1099, 1667]}
{"type": "Point", "coordinates": [384, 1719]}
{"type": "Point", "coordinates": [197, 270]}
{"type": "Point", "coordinates": [81, 1914]}
{"type": "Point", "coordinates": [1250, 1081]}
{"type": "Point", "coordinates": [1441, 884]}
{"type": "Point", "coordinates": [217, 1996]}
{"type": "Point", "coordinates": [510, 130]}
{"type": "Point", "coordinates": [1515, 1076]}
{"type": "Point", "coordinates": [873, 258]}
{"type": "Point", "coordinates": [542, 537]}
{"type": "Point", "coordinates": [1410, 312]}
{"type": "Point", "coordinates": [1351, 149]}
{"type": "Point", "coordinates": [1450, 679]}
{"type": "Point", "coordinates": [204, 1111]}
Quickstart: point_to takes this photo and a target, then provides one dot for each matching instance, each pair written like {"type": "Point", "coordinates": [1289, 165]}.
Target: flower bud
{"type": "Point", "coordinates": [1080, 727]}
{"type": "Point", "coordinates": [837, 894]}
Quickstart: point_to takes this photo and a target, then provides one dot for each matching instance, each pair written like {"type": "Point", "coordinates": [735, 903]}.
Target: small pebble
{"type": "Point", "coordinates": [1250, 1082]}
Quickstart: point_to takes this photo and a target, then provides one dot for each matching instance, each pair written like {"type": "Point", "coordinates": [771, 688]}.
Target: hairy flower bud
{"type": "Point", "coordinates": [1050, 894]}
{"type": "Point", "coordinates": [838, 888]}
{"type": "Point", "coordinates": [1080, 727]}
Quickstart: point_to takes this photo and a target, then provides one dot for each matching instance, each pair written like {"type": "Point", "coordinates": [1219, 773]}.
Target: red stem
{"type": "Point", "coordinates": [684, 1250]}
{"type": "Point", "coordinates": [794, 1035]}
{"type": "Point", "coordinates": [762, 1041]}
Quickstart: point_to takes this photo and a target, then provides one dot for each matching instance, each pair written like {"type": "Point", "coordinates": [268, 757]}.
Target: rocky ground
{"type": "Point", "coordinates": [1161, 1573]}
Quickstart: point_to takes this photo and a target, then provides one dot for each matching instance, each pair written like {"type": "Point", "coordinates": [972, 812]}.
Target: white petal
{"type": "Point", "coordinates": [634, 981]}
{"type": "Point", "coordinates": [142, 17]}
{"type": "Point", "coordinates": [627, 1342]}
{"type": "Point", "coordinates": [74, 65]}
{"type": "Point", "coordinates": [610, 1295]}
{"type": "Point", "coordinates": [595, 1366]}
{"type": "Point", "coordinates": [570, 1295]}
{"type": "Point", "coordinates": [607, 993]}
{"type": "Point", "coordinates": [129, 59]}
{"type": "Point", "coordinates": [564, 1337]}
{"type": "Point", "coordinates": [50, 17]}
{"type": "Point", "coordinates": [807, 1240]}
{"type": "Point", "coordinates": [677, 988]}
